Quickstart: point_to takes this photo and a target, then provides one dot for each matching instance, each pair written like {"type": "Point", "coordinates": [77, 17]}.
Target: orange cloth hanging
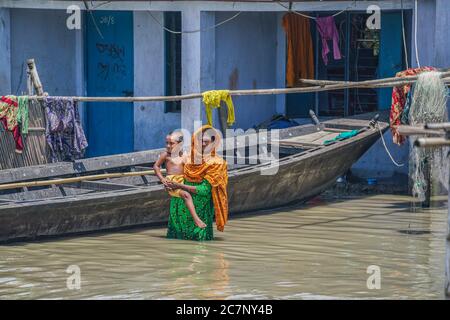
{"type": "Point", "coordinates": [300, 53]}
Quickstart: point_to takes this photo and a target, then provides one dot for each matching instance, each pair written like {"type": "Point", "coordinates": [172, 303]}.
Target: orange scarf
{"type": "Point", "coordinates": [213, 169]}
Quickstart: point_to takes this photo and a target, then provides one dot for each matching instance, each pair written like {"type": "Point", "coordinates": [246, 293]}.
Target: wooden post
{"type": "Point", "coordinates": [429, 179]}
{"type": "Point", "coordinates": [430, 130]}
{"type": "Point", "coordinates": [447, 242]}
{"type": "Point", "coordinates": [35, 77]}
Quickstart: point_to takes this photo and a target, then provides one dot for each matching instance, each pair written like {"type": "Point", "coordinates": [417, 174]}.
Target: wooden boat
{"type": "Point", "coordinates": [306, 167]}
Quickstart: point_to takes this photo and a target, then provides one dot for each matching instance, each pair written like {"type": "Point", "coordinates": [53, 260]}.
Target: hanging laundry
{"type": "Point", "coordinates": [399, 95]}
{"type": "Point", "coordinates": [405, 114]}
{"type": "Point", "coordinates": [22, 113]}
{"type": "Point", "coordinates": [9, 110]}
{"type": "Point", "coordinates": [300, 54]}
{"type": "Point", "coordinates": [64, 134]}
{"type": "Point", "coordinates": [212, 99]}
{"type": "Point", "coordinates": [328, 31]}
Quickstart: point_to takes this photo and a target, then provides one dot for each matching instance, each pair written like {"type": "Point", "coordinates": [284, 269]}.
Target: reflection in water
{"type": "Point", "coordinates": [317, 251]}
{"type": "Point", "coordinates": [204, 276]}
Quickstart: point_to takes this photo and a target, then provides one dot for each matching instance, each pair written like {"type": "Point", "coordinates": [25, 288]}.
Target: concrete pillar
{"type": "Point", "coordinates": [208, 58]}
{"type": "Point", "coordinates": [198, 62]}
{"type": "Point", "coordinates": [80, 84]}
{"type": "Point", "coordinates": [281, 64]}
{"type": "Point", "coordinates": [442, 46]}
{"type": "Point", "coordinates": [432, 37]}
{"type": "Point", "coordinates": [442, 58]}
{"type": "Point", "coordinates": [426, 17]}
{"type": "Point", "coordinates": [190, 66]}
{"type": "Point", "coordinates": [5, 57]}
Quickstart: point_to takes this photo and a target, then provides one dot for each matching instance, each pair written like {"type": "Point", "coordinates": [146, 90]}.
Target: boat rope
{"type": "Point", "coordinates": [415, 34]}
{"type": "Point", "coordinates": [404, 36]}
{"type": "Point", "coordinates": [93, 19]}
{"type": "Point", "coordinates": [386, 148]}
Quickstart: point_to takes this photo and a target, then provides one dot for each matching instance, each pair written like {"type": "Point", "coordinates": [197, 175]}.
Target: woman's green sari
{"type": "Point", "coordinates": [181, 225]}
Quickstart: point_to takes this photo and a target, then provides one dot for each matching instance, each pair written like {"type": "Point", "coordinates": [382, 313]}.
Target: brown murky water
{"type": "Point", "coordinates": [317, 251]}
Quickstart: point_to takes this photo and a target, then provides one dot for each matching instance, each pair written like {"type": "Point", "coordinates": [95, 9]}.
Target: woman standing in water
{"type": "Point", "coordinates": [206, 179]}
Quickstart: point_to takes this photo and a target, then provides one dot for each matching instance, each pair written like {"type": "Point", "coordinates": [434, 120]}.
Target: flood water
{"type": "Point", "coordinates": [317, 251]}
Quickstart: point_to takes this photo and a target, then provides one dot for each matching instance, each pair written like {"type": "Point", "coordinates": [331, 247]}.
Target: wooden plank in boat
{"type": "Point", "coordinates": [300, 131]}
{"type": "Point", "coordinates": [101, 185]}
{"type": "Point", "coordinates": [79, 166]}
{"type": "Point", "coordinates": [316, 138]}
{"type": "Point", "coordinates": [346, 123]}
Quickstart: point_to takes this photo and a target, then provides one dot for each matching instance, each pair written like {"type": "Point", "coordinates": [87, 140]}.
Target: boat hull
{"type": "Point", "coordinates": [299, 177]}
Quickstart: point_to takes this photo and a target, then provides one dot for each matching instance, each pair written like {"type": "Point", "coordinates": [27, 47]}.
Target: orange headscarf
{"type": "Point", "coordinates": [211, 167]}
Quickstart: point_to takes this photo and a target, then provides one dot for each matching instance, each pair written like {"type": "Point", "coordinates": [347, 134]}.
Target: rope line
{"type": "Point", "coordinates": [193, 31]}
{"type": "Point", "coordinates": [415, 34]}
{"type": "Point", "coordinates": [315, 18]}
{"type": "Point", "coordinates": [404, 36]}
{"type": "Point", "coordinates": [386, 148]}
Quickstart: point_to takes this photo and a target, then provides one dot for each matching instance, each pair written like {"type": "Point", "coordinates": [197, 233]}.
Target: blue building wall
{"type": "Point", "coordinates": [58, 51]}
{"type": "Point", "coordinates": [246, 58]}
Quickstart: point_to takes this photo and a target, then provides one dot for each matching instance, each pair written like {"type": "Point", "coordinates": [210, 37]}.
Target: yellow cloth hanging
{"type": "Point", "coordinates": [212, 99]}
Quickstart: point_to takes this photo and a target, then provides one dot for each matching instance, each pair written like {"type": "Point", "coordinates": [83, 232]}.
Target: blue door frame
{"type": "Point", "coordinates": [109, 72]}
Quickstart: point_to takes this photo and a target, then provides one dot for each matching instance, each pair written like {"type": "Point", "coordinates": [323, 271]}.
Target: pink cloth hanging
{"type": "Point", "coordinates": [328, 31]}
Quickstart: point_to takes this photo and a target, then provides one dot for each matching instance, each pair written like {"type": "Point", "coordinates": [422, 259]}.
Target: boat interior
{"type": "Point", "coordinates": [290, 142]}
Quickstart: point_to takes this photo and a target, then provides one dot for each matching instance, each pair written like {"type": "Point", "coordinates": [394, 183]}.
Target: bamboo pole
{"type": "Point", "coordinates": [418, 130]}
{"type": "Point", "coordinates": [443, 125]}
{"type": "Point", "coordinates": [393, 80]}
{"type": "Point", "coordinates": [440, 142]}
{"type": "Point", "coordinates": [76, 179]}
{"type": "Point", "coordinates": [379, 83]}
{"type": "Point", "coordinates": [35, 77]}
{"type": "Point", "coordinates": [431, 142]}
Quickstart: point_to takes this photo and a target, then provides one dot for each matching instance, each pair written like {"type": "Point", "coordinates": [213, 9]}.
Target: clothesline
{"type": "Point", "coordinates": [193, 31]}
{"type": "Point", "coordinates": [317, 86]}
{"type": "Point", "coordinates": [315, 18]}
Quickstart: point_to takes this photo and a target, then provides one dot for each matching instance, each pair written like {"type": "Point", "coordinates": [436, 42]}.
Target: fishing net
{"type": "Point", "coordinates": [429, 105]}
